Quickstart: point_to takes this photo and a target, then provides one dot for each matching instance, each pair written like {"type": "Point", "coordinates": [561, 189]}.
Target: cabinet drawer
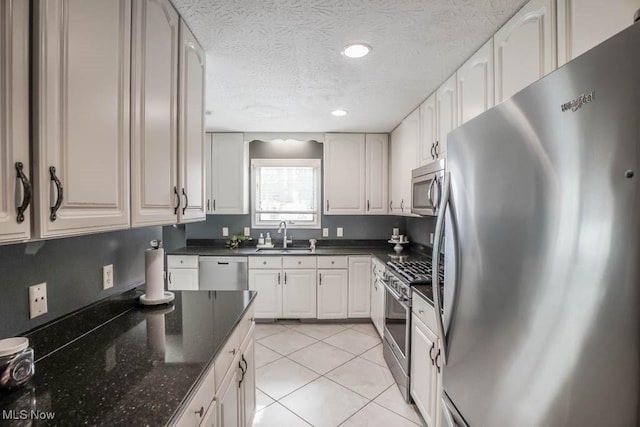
{"type": "Point", "coordinates": [333, 262]}
{"type": "Point", "coordinates": [299, 262]}
{"type": "Point", "coordinates": [265, 262]}
{"type": "Point", "coordinates": [226, 356]}
{"type": "Point", "coordinates": [202, 399]}
{"type": "Point", "coordinates": [424, 311]}
{"type": "Point", "coordinates": [182, 261]}
{"type": "Point", "coordinates": [246, 322]}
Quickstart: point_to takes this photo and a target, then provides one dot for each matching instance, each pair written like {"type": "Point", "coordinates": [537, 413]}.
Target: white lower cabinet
{"type": "Point", "coordinates": [247, 384]}
{"type": "Point", "coordinates": [283, 292]}
{"type": "Point", "coordinates": [182, 272]}
{"type": "Point", "coordinates": [426, 372]}
{"type": "Point", "coordinates": [268, 284]}
{"type": "Point", "coordinates": [333, 294]}
{"type": "Point", "coordinates": [229, 398]}
{"type": "Point", "coordinates": [359, 294]}
{"type": "Point", "coordinates": [299, 293]}
{"type": "Point", "coordinates": [377, 299]}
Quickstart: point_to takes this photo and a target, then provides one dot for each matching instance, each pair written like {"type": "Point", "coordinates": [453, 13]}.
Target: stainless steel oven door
{"type": "Point", "coordinates": [397, 316]}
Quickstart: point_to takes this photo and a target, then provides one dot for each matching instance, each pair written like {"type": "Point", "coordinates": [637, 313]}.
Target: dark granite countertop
{"type": "Point", "coordinates": [119, 364]}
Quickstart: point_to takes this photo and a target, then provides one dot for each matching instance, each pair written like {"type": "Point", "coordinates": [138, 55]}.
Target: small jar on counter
{"type": "Point", "coordinates": [16, 362]}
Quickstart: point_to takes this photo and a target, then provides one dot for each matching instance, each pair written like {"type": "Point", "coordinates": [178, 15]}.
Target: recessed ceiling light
{"type": "Point", "coordinates": [339, 113]}
{"type": "Point", "coordinates": [356, 50]}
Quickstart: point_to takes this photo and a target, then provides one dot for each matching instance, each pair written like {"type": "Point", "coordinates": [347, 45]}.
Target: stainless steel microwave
{"type": "Point", "coordinates": [426, 188]}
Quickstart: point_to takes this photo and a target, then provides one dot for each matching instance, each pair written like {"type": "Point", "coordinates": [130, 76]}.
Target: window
{"type": "Point", "coordinates": [285, 190]}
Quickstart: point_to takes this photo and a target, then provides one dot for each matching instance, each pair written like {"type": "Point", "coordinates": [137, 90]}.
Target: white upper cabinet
{"type": "Point", "coordinates": [227, 174]}
{"type": "Point", "coordinates": [15, 192]}
{"type": "Point", "coordinates": [583, 24]}
{"type": "Point", "coordinates": [404, 158]}
{"type": "Point", "coordinates": [81, 123]}
{"type": "Point", "coordinates": [428, 130]}
{"type": "Point", "coordinates": [191, 158]}
{"type": "Point", "coordinates": [525, 48]}
{"type": "Point", "coordinates": [154, 126]}
{"type": "Point", "coordinates": [344, 173]}
{"type": "Point", "coordinates": [446, 114]}
{"type": "Point", "coordinates": [475, 84]}
{"type": "Point", "coordinates": [377, 173]}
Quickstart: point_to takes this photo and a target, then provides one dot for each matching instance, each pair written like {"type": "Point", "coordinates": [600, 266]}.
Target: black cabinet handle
{"type": "Point", "coordinates": [285, 278]}
{"type": "Point", "coordinates": [186, 201]}
{"type": "Point", "coordinates": [390, 205]}
{"type": "Point", "coordinates": [368, 206]}
{"type": "Point", "coordinates": [243, 372]}
{"type": "Point", "coordinates": [436, 148]}
{"type": "Point", "coordinates": [26, 197]}
{"type": "Point", "coordinates": [433, 156]}
{"type": "Point", "coordinates": [320, 278]}
{"type": "Point", "coordinates": [278, 278]}
{"type": "Point", "coordinates": [200, 412]}
{"type": "Point", "coordinates": [431, 353]}
{"type": "Point", "coordinates": [327, 205]}
{"type": "Point", "coordinates": [214, 204]}
{"type": "Point", "coordinates": [60, 196]}
{"type": "Point", "coordinates": [402, 205]}
{"type": "Point", "coordinates": [208, 204]}
{"type": "Point", "coordinates": [177, 206]}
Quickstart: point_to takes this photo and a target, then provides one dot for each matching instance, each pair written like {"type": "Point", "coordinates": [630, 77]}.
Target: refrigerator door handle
{"type": "Point", "coordinates": [435, 259]}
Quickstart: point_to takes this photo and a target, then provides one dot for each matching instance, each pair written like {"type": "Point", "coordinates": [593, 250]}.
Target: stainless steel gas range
{"type": "Point", "coordinates": [397, 316]}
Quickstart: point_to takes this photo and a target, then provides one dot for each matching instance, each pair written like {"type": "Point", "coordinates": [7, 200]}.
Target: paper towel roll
{"type": "Point", "coordinates": [153, 273]}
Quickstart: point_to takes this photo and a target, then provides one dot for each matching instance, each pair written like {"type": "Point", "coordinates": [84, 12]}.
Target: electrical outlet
{"type": "Point", "coordinates": [339, 231]}
{"type": "Point", "coordinates": [37, 300]}
{"type": "Point", "coordinates": [431, 238]}
{"type": "Point", "coordinates": [225, 231]}
{"type": "Point", "coordinates": [325, 232]}
{"type": "Point", "coordinates": [107, 276]}
{"type": "Point", "coordinates": [247, 231]}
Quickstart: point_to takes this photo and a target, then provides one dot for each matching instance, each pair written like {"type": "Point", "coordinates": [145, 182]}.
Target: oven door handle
{"type": "Point", "coordinates": [396, 296]}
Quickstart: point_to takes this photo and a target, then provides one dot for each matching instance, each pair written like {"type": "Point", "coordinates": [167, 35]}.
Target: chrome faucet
{"type": "Point", "coordinates": [281, 226]}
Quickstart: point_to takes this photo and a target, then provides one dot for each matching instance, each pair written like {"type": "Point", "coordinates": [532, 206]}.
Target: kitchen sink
{"type": "Point", "coordinates": [291, 251]}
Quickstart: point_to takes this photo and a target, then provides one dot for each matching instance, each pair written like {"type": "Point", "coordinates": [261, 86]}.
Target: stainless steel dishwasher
{"type": "Point", "coordinates": [223, 273]}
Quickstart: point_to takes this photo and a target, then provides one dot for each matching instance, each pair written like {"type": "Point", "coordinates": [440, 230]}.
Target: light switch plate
{"type": "Point", "coordinates": [225, 231]}
{"type": "Point", "coordinates": [325, 232]}
{"type": "Point", "coordinates": [37, 300]}
{"type": "Point", "coordinates": [107, 276]}
{"type": "Point", "coordinates": [247, 231]}
{"type": "Point", "coordinates": [339, 232]}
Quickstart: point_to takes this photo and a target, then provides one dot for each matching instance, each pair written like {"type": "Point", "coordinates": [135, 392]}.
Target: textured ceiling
{"type": "Point", "coordinates": [275, 65]}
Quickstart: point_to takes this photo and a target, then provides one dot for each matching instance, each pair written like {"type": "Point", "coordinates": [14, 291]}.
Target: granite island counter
{"type": "Point", "coordinates": [118, 363]}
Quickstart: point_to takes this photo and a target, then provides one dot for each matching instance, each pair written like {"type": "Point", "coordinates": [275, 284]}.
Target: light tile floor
{"type": "Point", "coordinates": [326, 375]}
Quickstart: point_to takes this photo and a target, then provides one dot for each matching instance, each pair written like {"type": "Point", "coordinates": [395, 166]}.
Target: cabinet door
{"type": "Point", "coordinates": [229, 398]}
{"type": "Point", "coordinates": [423, 347]}
{"type": "Point", "coordinates": [269, 287]}
{"type": "Point", "coordinates": [248, 381]}
{"type": "Point", "coordinates": [154, 101]}
{"type": "Point", "coordinates": [210, 418]}
{"type": "Point", "coordinates": [344, 173]}
{"type": "Point", "coordinates": [14, 119]}
{"type": "Point", "coordinates": [299, 293]}
{"type": "Point", "coordinates": [525, 48]}
{"type": "Point", "coordinates": [183, 279]}
{"type": "Point", "coordinates": [409, 148]}
{"type": "Point", "coordinates": [359, 286]}
{"type": "Point", "coordinates": [583, 24]}
{"type": "Point", "coordinates": [229, 168]}
{"type": "Point", "coordinates": [191, 128]}
{"type": "Point", "coordinates": [428, 129]}
{"type": "Point", "coordinates": [475, 84]}
{"type": "Point", "coordinates": [447, 114]}
{"type": "Point", "coordinates": [332, 294]}
{"type": "Point", "coordinates": [395, 175]}
{"type": "Point", "coordinates": [377, 173]}
{"type": "Point", "coordinates": [81, 120]}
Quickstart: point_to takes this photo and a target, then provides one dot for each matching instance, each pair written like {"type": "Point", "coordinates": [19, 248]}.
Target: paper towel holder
{"type": "Point", "coordinates": [167, 297]}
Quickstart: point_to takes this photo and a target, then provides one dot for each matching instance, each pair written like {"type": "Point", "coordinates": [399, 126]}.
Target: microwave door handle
{"type": "Point", "coordinates": [437, 294]}
{"type": "Point", "coordinates": [430, 193]}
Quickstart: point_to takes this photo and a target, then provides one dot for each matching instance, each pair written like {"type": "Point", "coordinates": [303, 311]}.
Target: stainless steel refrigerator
{"type": "Point", "coordinates": [541, 211]}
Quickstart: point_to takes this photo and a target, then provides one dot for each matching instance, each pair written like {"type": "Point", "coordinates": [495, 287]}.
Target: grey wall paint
{"type": "Point", "coordinates": [418, 229]}
{"type": "Point", "coordinates": [372, 227]}
{"type": "Point", "coordinates": [72, 269]}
